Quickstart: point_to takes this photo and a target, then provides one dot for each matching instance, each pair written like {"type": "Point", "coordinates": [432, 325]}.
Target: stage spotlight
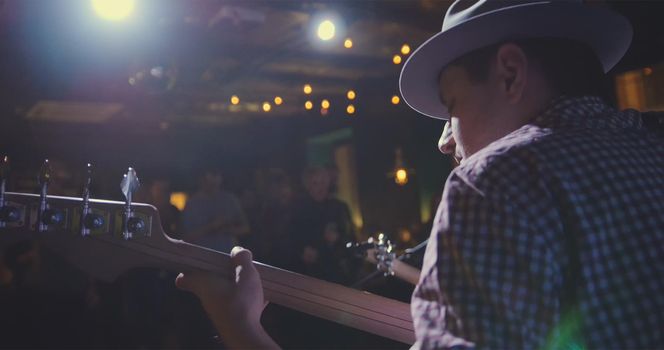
{"type": "Point", "coordinates": [114, 10]}
{"type": "Point", "coordinates": [326, 30]}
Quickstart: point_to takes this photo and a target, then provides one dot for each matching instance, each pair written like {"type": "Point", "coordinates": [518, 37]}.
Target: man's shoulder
{"type": "Point", "coordinates": [510, 160]}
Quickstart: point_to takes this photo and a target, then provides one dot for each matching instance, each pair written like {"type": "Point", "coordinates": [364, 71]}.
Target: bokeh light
{"type": "Point", "coordinates": [350, 94]}
{"type": "Point", "coordinates": [278, 101]}
{"type": "Point", "coordinates": [307, 89]}
{"type": "Point", "coordinates": [267, 107]}
{"type": "Point", "coordinates": [308, 105]}
{"type": "Point", "coordinates": [401, 176]}
{"type": "Point", "coordinates": [350, 109]}
{"type": "Point", "coordinates": [395, 100]}
{"type": "Point", "coordinates": [348, 43]}
{"type": "Point", "coordinates": [326, 30]}
{"type": "Point", "coordinates": [235, 100]}
{"type": "Point", "coordinates": [396, 59]}
{"type": "Point", "coordinates": [325, 104]}
{"type": "Point", "coordinates": [405, 49]}
{"type": "Point", "coordinates": [114, 10]}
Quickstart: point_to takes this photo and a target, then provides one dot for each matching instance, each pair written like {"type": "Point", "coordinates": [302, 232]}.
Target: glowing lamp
{"type": "Point", "coordinates": [350, 109]}
{"type": "Point", "coordinates": [405, 49]}
{"type": "Point", "coordinates": [307, 89]}
{"type": "Point", "coordinates": [395, 100]}
{"type": "Point", "coordinates": [179, 200]}
{"type": "Point", "coordinates": [401, 177]}
{"type": "Point", "coordinates": [278, 101]}
{"type": "Point", "coordinates": [326, 30]}
{"type": "Point", "coordinates": [114, 10]}
{"type": "Point", "coordinates": [266, 106]}
{"type": "Point", "coordinates": [350, 94]}
{"type": "Point", "coordinates": [348, 43]}
{"type": "Point", "coordinates": [325, 104]}
{"type": "Point", "coordinates": [235, 100]}
{"type": "Point", "coordinates": [308, 105]}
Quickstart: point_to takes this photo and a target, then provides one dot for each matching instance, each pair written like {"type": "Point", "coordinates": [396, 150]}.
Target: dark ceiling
{"type": "Point", "coordinates": [66, 90]}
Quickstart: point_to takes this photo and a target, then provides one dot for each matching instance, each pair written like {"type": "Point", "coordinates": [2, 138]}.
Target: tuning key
{"type": "Point", "coordinates": [130, 223]}
{"type": "Point", "coordinates": [46, 216]}
{"type": "Point", "coordinates": [8, 213]}
{"type": "Point", "coordinates": [89, 220]}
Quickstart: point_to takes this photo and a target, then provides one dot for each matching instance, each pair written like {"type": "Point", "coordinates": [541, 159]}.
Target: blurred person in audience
{"type": "Point", "coordinates": [160, 197]}
{"type": "Point", "coordinates": [213, 217]}
{"type": "Point", "coordinates": [320, 229]}
{"type": "Point", "coordinates": [274, 243]}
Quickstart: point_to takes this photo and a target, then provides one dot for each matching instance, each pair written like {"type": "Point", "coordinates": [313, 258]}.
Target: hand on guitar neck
{"type": "Point", "coordinates": [235, 307]}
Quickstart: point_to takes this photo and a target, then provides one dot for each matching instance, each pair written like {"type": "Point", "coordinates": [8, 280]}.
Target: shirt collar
{"type": "Point", "coordinates": [586, 112]}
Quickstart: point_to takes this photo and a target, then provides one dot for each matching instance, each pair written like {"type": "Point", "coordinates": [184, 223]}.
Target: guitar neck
{"type": "Point", "coordinates": [105, 254]}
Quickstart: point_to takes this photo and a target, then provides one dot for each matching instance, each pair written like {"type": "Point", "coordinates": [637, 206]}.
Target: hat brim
{"type": "Point", "coordinates": [608, 34]}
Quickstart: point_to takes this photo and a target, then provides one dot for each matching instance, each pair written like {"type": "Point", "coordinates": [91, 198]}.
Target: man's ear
{"type": "Point", "coordinates": [512, 71]}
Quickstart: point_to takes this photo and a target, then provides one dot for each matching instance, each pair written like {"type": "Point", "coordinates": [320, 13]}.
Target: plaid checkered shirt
{"type": "Point", "coordinates": [550, 237]}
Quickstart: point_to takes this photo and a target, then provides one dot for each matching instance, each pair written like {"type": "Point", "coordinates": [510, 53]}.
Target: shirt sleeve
{"type": "Point", "coordinates": [491, 277]}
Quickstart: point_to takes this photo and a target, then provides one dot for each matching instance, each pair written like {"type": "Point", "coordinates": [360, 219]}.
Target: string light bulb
{"type": "Point", "coordinates": [278, 101]}
{"type": "Point", "coordinates": [401, 177]}
{"type": "Point", "coordinates": [308, 105]}
{"type": "Point", "coordinates": [307, 89]}
{"type": "Point", "coordinates": [350, 94]}
{"type": "Point", "coordinates": [348, 43]}
{"type": "Point", "coordinates": [395, 100]}
{"type": "Point", "coordinates": [396, 59]}
{"type": "Point", "coordinates": [267, 107]}
{"type": "Point", "coordinates": [235, 100]}
{"type": "Point", "coordinates": [325, 104]}
{"type": "Point", "coordinates": [405, 49]}
{"type": "Point", "coordinates": [350, 109]}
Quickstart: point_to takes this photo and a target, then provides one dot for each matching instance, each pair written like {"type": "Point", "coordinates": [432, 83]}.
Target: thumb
{"type": "Point", "coordinates": [190, 281]}
{"type": "Point", "coordinates": [245, 271]}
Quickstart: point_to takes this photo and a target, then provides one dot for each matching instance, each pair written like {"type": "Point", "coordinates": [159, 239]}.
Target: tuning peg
{"type": "Point", "coordinates": [45, 174]}
{"type": "Point", "coordinates": [131, 224]}
{"type": "Point", "coordinates": [89, 220]}
{"type": "Point", "coordinates": [8, 213]}
{"type": "Point", "coordinates": [46, 216]}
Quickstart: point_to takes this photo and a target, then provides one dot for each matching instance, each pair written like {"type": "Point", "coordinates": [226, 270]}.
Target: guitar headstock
{"type": "Point", "coordinates": [103, 238]}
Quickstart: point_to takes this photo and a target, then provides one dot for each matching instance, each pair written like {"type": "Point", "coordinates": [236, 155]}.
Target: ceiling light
{"type": "Point", "coordinates": [114, 10]}
{"type": "Point", "coordinates": [348, 43]}
{"type": "Point", "coordinates": [326, 30]}
{"type": "Point", "coordinates": [350, 94]}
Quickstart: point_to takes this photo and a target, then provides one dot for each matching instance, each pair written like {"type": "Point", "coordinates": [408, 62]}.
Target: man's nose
{"type": "Point", "coordinates": [446, 143]}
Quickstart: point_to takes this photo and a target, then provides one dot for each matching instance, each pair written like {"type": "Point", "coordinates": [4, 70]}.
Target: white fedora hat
{"type": "Point", "coordinates": [470, 25]}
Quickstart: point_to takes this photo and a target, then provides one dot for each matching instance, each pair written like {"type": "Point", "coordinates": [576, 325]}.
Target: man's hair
{"type": "Point", "coordinates": [571, 67]}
